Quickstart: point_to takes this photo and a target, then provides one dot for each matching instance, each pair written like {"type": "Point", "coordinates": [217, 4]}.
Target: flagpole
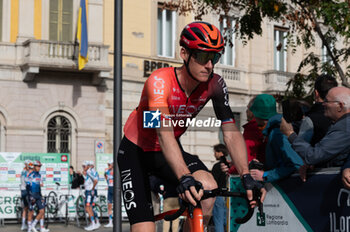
{"type": "Point", "coordinates": [117, 110]}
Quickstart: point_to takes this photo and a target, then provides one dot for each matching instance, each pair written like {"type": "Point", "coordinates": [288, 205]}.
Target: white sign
{"type": "Point", "coordinates": [99, 146]}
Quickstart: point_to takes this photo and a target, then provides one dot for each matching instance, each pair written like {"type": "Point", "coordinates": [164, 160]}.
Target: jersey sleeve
{"type": "Point", "coordinates": [220, 100]}
{"type": "Point", "coordinates": [157, 93]}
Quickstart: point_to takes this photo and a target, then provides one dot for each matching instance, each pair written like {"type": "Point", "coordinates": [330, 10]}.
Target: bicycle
{"type": "Point", "coordinates": [195, 215]}
{"type": "Point", "coordinates": [55, 204]}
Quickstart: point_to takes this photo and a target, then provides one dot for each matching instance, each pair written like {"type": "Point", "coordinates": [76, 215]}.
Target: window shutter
{"type": "Point", "coordinates": [67, 18]}
{"type": "Point", "coordinates": [61, 17]}
{"type": "Point", "coordinates": [53, 30]}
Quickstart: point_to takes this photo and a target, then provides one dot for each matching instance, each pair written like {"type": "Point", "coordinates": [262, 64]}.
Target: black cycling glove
{"type": "Point", "coordinates": [249, 183]}
{"type": "Point", "coordinates": [186, 182]}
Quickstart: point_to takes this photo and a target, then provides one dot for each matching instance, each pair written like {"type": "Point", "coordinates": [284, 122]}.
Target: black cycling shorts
{"type": "Point", "coordinates": [135, 166]}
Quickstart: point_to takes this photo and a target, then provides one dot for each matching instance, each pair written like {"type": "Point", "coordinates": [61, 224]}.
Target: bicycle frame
{"type": "Point", "coordinates": [195, 222]}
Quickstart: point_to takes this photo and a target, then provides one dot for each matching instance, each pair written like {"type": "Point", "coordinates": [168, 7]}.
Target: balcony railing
{"type": "Point", "coordinates": [277, 80]}
{"type": "Point", "coordinates": [63, 54]}
{"type": "Point", "coordinates": [35, 55]}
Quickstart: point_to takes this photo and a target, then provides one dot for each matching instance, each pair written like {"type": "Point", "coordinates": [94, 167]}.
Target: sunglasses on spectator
{"type": "Point", "coordinates": [203, 57]}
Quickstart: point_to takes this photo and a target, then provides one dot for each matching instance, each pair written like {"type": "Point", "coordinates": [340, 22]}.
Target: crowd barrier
{"type": "Point", "coordinates": [319, 204]}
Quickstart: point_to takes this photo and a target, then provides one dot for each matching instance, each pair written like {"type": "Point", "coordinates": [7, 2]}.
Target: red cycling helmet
{"type": "Point", "coordinates": [202, 36]}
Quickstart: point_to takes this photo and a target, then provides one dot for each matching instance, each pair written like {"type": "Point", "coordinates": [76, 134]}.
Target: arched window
{"type": "Point", "coordinates": [61, 20]}
{"type": "Point", "coordinates": [59, 131]}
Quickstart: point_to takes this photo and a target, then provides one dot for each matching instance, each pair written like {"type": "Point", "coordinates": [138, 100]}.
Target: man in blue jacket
{"type": "Point", "coordinates": [281, 160]}
{"type": "Point", "coordinates": [334, 148]}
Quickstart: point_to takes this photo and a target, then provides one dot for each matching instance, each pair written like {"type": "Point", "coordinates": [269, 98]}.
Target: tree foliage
{"type": "Point", "coordinates": [306, 21]}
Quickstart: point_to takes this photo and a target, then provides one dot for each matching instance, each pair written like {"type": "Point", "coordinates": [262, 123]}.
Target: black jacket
{"type": "Point", "coordinates": [219, 176]}
{"type": "Point", "coordinates": [320, 122]}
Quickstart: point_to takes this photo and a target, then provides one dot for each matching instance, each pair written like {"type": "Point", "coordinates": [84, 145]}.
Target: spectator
{"type": "Point", "coordinates": [253, 138]}
{"type": "Point", "coordinates": [75, 178]}
{"type": "Point", "coordinates": [315, 125]}
{"type": "Point", "coordinates": [334, 147]}
{"type": "Point", "coordinates": [280, 159]}
{"type": "Point", "coordinates": [219, 210]}
{"type": "Point", "coordinates": [320, 123]}
{"type": "Point", "coordinates": [109, 176]}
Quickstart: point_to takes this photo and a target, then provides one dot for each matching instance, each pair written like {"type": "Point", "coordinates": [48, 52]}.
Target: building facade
{"type": "Point", "coordinates": [47, 105]}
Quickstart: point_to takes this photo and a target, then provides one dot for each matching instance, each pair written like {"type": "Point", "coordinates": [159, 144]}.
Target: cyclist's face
{"type": "Point", "coordinates": [200, 64]}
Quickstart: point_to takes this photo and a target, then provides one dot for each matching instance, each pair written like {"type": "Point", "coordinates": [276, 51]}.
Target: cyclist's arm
{"type": "Point", "coordinates": [232, 136]}
{"type": "Point", "coordinates": [236, 146]}
{"type": "Point", "coordinates": [173, 155]}
{"type": "Point", "coordinates": [172, 152]}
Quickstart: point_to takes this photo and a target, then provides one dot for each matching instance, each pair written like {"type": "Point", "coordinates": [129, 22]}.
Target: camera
{"type": "Point", "coordinates": [294, 110]}
{"type": "Point", "coordinates": [256, 165]}
{"type": "Point", "coordinates": [224, 160]}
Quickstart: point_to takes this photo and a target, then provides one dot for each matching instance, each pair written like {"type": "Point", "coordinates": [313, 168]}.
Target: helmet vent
{"type": "Point", "coordinates": [188, 36]}
{"type": "Point", "coordinates": [199, 34]}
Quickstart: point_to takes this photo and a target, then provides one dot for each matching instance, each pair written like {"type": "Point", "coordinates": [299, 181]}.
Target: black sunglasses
{"type": "Point", "coordinates": [203, 57]}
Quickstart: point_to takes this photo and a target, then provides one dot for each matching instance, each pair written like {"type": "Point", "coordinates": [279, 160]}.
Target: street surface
{"type": "Point", "coordinates": [60, 227]}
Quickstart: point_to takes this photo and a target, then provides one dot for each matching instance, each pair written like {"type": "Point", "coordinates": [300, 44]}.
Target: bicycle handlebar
{"type": "Point", "coordinates": [219, 192]}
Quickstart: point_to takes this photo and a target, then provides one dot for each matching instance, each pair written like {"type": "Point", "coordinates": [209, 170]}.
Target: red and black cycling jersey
{"type": "Point", "coordinates": [163, 92]}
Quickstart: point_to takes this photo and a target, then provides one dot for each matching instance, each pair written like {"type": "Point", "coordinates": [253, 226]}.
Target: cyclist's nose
{"type": "Point", "coordinates": [209, 64]}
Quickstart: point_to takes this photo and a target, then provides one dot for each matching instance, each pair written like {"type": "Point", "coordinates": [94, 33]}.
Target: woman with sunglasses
{"type": "Point", "coordinates": [170, 98]}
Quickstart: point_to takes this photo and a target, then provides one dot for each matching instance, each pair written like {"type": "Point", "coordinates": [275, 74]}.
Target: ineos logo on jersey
{"type": "Point", "coordinates": [128, 192]}
{"type": "Point", "coordinates": [158, 88]}
{"type": "Point", "coordinates": [224, 89]}
{"type": "Point", "coordinates": [185, 109]}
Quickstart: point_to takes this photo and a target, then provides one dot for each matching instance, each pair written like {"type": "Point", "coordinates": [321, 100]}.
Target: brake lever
{"type": "Point", "coordinates": [257, 198]}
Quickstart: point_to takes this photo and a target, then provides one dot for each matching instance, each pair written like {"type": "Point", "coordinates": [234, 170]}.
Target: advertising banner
{"type": "Point", "coordinates": [55, 168]}
{"type": "Point", "coordinates": [319, 204]}
{"type": "Point", "coordinates": [9, 201]}
{"type": "Point", "coordinates": [101, 167]}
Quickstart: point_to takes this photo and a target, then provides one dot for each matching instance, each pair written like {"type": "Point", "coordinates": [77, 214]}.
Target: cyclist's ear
{"type": "Point", "coordinates": [184, 54]}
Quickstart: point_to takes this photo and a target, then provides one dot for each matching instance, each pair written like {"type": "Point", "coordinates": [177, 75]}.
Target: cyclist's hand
{"type": "Point", "coordinates": [92, 192]}
{"type": "Point", "coordinates": [187, 189]}
{"type": "Point", "coordinates": [346, 178]}
{"type": "Point", "coordinates": [250, 184]}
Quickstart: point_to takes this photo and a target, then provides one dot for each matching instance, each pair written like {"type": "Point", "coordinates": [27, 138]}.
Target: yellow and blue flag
{"type": "Point", "coordinates": [82, 35]}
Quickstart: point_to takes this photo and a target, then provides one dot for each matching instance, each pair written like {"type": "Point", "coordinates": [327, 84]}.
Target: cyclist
{"type": "Point", "coordinates": [109, 178]}
{"type": "Point", "coordinates": [24, 194]}
{"type": "Point", "coordinates": [35, 198]}
{"type": "Point", "coordinates": [177, 94]}
{"type": "Point", "coordinates": [94, 175]}
{"type": "Point", "coordinates": [89, 184]}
